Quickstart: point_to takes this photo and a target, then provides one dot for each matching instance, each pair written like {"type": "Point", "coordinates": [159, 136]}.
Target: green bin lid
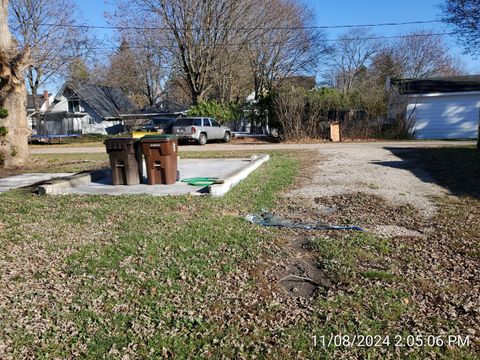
{"type": "Point", "coordinates": [159, 137]}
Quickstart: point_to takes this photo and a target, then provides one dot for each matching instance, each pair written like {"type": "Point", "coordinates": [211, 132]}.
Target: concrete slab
{"type": "Point", "coordinates": [220, 168]}
{"type": "Point", "coordinates": [18, 181]}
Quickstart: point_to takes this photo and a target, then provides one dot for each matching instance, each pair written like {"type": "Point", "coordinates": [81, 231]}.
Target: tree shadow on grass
{"type": "Point", "coordinates": [454, 168]}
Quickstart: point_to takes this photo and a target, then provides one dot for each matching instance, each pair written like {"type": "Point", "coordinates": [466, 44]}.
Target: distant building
{"type": "Point", "coordinates": [43, 102]}
{"type": "Point", "coordinates": [86, 109]}
{"type": "Point", "coordinates": [439, 108]}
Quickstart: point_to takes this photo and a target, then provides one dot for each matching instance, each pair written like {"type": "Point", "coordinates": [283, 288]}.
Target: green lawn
{"type": "Point", "coordinates": [88, 140]}
{"type": "Point", "coordinates": [85, 275]}
{"type": "Point", "coordinates": [187, 277]}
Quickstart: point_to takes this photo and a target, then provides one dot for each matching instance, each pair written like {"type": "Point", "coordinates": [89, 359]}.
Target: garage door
{"type": "Point", "coordinates": [445, 116]}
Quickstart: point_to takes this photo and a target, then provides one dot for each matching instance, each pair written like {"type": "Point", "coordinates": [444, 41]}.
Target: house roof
{"type": "Point", "coordinates": [108, 102]}
{"type": "Point", "coordinates": [166, 107]}
{"type": "Point", "coordinates": [30, 103]}
{"type": "Point", "coordinates": [437, 84]}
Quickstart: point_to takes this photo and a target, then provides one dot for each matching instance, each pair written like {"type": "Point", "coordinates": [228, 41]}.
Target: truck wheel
{"type": "Point", "coordinates": [227, 137]}
{"type": "Point", "coordinates": [202, 139]}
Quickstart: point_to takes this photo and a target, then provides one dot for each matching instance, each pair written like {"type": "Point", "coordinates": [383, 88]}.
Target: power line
{"type": "Point", "coordinates": [400, 36]}
{"type": "Point", "coordinates": [326, 40]}
{"type": "Point", "coordinates": [115, 27]}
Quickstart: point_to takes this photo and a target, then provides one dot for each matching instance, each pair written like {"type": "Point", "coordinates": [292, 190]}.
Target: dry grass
{"type": "Point", "coordinates": [142, 277]}
{"type": "Point", "coordinates": [59, 163]}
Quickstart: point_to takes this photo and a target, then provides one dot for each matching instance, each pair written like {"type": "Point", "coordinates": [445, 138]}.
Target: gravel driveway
{"type": "Point", "coordinates": [372, 169]}
{"type": "Point", "coordinates": [45, 149]}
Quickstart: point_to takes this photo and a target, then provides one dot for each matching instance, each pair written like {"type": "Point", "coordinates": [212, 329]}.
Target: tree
{"type": "Point", "coordinates": [231, 79]}
{"type": "Point", "coordinates": [352, 53]}
{"type": "Point", "coordinates": [422, 54]}
{"type": "Point", "coordinates": [464, 17]}
{"type": "Point", "coordinates": [125, 73]}
{"type": "Point", "coordinates": [219, 111]}
{"type": "Point", "coordinates": [284, 42]}
{"type": "Point", "coordinates": [385, 65]}
{"type": "Point", "coordinates": [199, 33]}
{"type": "Point", "coordinates": [46, 27]}
{"type": "Point", "coordinates": [150, 63]}
{"type": "Point", "coordinates": [14, 129]}
{"type": "Point", "coordinates": [78, 72]}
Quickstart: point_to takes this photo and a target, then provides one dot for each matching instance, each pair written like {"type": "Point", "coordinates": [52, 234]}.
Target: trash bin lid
{"type": "Point", "coordinates": [159, 138]}
{"type": "Point", "coordinates": [119, 140]}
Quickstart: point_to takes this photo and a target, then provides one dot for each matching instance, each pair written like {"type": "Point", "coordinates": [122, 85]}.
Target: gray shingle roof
{"type": "Point", "coordinates": [30, 104]}
{"type": "Point", "coordinates": [437, 84]}
{"type": "Point", "coordinates": [166, 106]}
{"type": "Point", "coordinates": [108, 102]}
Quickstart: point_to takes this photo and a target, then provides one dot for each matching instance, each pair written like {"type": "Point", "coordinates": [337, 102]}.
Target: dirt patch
{"type": "Point", "coordinates": [305, 278]}
{"type": "Point", "coordinates": [360, 209]}
{"type": "Point", "coordinates": [251, 140]}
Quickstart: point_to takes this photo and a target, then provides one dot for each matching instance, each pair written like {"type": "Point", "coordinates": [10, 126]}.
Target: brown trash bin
{"type": "Point", "coordinates": [123, 161]}
{"type": "Point", "coordinates": [160, 153]}
{"type": "Point", "coordinates": [335, 132]}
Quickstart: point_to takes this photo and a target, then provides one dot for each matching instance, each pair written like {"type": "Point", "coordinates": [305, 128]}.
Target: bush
{"type": "Point", "coordinates": [219, 111]}
{"type": "Point", "coordinates": [3, 113]}
{"type": "Point", "coordinates": [308, 114]}
{"type": "Point", "coordinates": [290, 111]}
{"type": "Point", "coordinates": [3, 129]}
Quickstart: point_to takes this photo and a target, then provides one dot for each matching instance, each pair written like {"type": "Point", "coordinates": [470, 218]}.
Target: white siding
{"type": "Point", "coordinates": [445, 116]}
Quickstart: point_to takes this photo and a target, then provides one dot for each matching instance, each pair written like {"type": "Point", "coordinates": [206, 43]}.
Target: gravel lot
{"type": "Point", "coordinates": [372, 169]}
{"type": "Point", "coordinates": [65, 149]}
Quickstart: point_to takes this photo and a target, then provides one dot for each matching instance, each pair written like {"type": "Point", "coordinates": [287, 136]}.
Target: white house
{"type": "Point", "coordinates": [440, 108]}
{"type": "Point", "coordinates": [86, 109]}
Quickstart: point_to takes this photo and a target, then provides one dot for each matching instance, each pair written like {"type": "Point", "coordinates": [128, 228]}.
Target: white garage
{"type": "Point", "coordinates": [442, 108]}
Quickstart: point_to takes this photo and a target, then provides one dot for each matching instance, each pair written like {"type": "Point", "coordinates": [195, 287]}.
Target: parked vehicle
{"type": "Point", "coordinates": [162, 125]}
{"type": "Point", "coordinates": [201, 130]}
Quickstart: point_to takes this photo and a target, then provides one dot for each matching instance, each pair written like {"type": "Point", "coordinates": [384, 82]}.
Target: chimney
{"type": "Point", "coordinates": [46, 99]}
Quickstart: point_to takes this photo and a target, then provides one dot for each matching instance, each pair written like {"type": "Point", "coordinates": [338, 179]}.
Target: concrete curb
{"type": "Point", "coordinates": [55, 187]}
{"type": "Point", "coordinates": [234, 178]}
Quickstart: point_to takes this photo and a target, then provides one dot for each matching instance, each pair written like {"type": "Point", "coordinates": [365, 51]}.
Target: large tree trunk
{"type": "Point", "coordinates": [14, 145]}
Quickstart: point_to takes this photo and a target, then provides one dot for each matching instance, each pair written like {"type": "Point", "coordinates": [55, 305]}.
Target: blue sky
{"type": "Point", "coordinates": [340, 12]}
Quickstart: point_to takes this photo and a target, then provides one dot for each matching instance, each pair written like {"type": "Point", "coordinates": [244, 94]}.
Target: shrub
{"type": "Point", "coordinates": [3, 131]}
{"type": "Point", "coordinates": [3, 113]}
{"type": "Point", "coordinates": [221, 112]}
{"type": "Point", "coordinates": [308, 114]}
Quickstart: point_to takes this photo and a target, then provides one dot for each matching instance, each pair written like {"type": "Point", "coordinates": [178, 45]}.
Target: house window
{"type": "Point", "coordinates": [73, 106]}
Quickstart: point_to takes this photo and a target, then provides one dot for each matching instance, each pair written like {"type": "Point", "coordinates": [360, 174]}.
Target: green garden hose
{"type": "Point", "coordinates": [201, 181]}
